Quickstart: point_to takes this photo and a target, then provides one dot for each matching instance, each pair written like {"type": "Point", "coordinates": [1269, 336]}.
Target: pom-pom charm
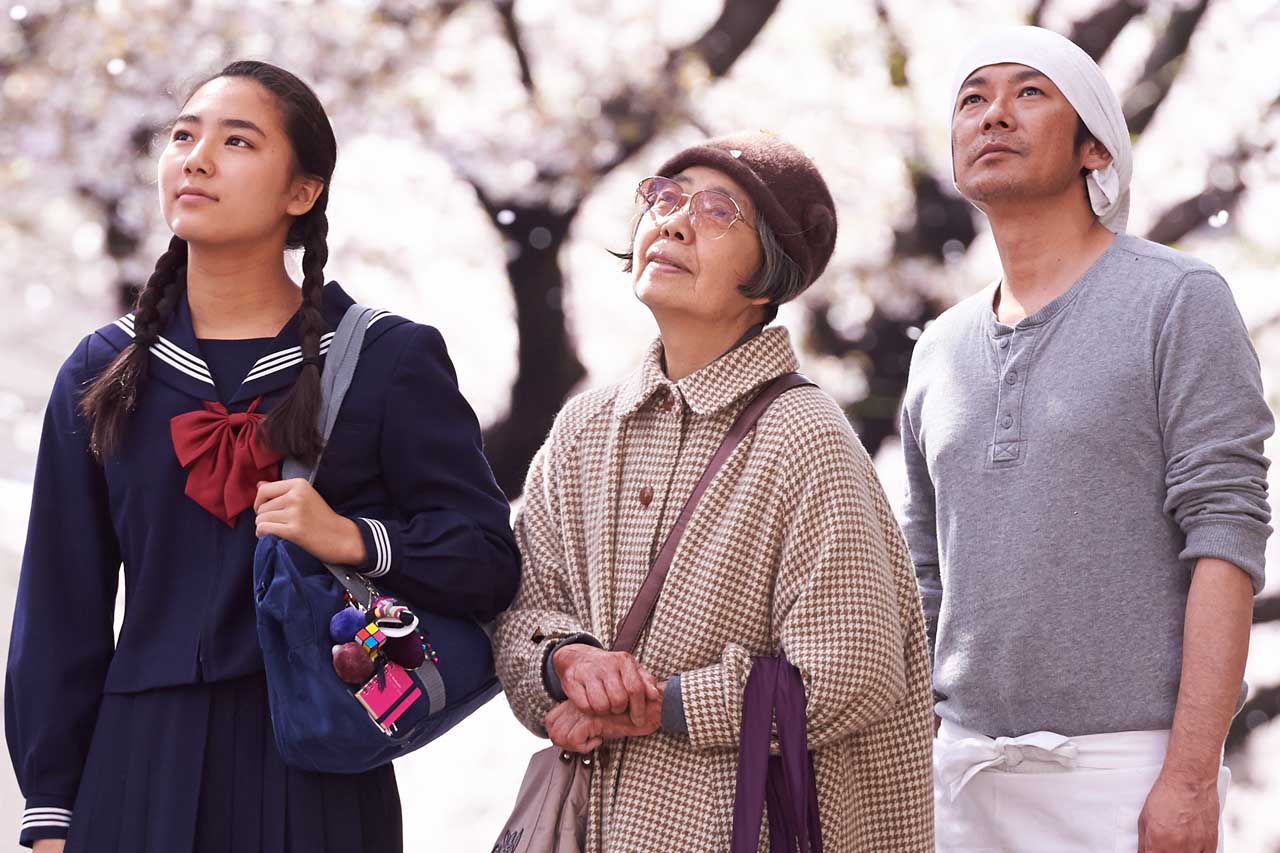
{"type": "Point", "coordinates": [352, 664]}
{"type": "Point", "coordinates": [345, 623]}
{"type": "Point", "coordinates": [408, 651]}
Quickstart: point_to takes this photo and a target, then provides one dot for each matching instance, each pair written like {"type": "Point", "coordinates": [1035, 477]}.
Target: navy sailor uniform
{"type": "Point", "coordinates": [160, 739]}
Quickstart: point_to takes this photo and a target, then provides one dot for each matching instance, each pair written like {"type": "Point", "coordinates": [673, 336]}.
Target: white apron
{"type": "Point", "coordinates": [1046, 793]}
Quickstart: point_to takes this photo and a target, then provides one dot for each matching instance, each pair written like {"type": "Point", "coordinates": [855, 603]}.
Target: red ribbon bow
{"type": "Point", "coordinates": [225, 458]}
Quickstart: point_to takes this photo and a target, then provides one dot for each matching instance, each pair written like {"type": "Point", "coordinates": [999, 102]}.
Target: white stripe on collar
{"type": "Point", "coordinates": [286, 358]}
{"type": "Point", "coordinates": [172, 354]}
{"type": "Point", "coordinates": [197, 368]}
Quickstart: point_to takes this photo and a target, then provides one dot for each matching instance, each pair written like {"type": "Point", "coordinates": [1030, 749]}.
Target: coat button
{"type": "Point", "coordinates": [646, 496]}
{"type": "Point", "coordinates": [1012, 378]}
{"type": "Point", "coordinates": [664, 400]}
{"type": "Point", "coordinates": [1007, 422]}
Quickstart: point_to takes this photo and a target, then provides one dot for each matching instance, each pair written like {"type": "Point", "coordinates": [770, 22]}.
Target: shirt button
{"type": "Point", "coordinates": [646, 496]}
{"type": "Point", "coordinates": [1007, 422]}
{"type": "Point", "coordinates": [664, 400]}
{"type": "Point", "coordinates": [1004, 343]}
{"type": "Point", "coordinates": [1012, 378]}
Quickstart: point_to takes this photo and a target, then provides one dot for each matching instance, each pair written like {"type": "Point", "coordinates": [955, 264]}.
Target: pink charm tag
{"type": "Point", "coordinates": [386, 702]}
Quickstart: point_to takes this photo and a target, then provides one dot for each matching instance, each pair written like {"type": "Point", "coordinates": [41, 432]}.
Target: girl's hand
{"type": "Point", "coordinates": [294, 510]}
{"type": "Point", "coordinates": [49, 845]}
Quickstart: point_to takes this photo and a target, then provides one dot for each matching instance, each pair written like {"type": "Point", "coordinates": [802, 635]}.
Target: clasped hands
{"type": "Point", "coordinates": [610, 696]}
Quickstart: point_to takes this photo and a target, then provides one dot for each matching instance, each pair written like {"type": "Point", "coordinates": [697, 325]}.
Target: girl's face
{"type": "Point", "coordinates": [227, 175]}
{"type": "Point", "coordinates": [681, 272]}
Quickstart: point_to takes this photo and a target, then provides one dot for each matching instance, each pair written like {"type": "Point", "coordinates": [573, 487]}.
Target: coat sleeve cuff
{"type": "Point", "coordinates": [381, 546]}
{"type": "Point", "coordinates": [713, 712]}
{"type": "Point", "coordinates": [551, 678]}
{"type": "Point", "coordinates": [45, 817]}
{"type": "Point", "coordinates": [1238, 544]}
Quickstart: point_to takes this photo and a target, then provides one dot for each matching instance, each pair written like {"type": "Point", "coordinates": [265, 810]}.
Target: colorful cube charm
{"type": "Point", "coordinates": [371, 637]}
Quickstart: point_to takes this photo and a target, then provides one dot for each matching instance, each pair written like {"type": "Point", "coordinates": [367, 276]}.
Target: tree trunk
{"type": "Point", "coordinates": [547, 364]}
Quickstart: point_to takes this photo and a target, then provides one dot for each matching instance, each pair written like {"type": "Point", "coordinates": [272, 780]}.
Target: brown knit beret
{"type": "Point", "coordinates": [785, 186]}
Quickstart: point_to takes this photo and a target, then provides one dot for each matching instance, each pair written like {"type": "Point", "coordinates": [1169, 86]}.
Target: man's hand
{"type": "Point", "coordinates": [1180, 816]}
{"type": "Point", "coordinates": [294, 510]}
{"type": "Point", "coordinates": [603, 683]}
{"type": "Point", "coordinates": [574, 730]}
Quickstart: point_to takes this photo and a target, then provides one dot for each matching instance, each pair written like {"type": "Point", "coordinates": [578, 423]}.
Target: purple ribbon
{"type": "Point", "coordinates": [784, 782]}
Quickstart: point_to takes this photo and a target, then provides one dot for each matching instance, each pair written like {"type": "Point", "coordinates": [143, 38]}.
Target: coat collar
{"type": "Point", "coordinates": [178, 362]}
{"type": "Point", "coordinates": [717, 386]}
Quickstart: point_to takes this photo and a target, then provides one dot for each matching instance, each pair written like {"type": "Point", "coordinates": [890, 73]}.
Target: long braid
{"type": "Point", "coordinates": [291, 427]}
{"type": "Point", "coordinates": [111, 397]}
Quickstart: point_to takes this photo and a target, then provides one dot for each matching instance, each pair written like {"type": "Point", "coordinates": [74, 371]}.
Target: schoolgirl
{"type": "Point", "coordinates": [161, 452]}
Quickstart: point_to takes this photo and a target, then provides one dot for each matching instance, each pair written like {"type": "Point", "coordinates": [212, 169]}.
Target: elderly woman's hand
{"type": "Point", "coordinates": [574, 730]}
{"type": "Point", "coordinates": [600, 683]}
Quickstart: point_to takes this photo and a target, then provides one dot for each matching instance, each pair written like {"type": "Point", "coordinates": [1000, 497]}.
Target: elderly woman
{"type": "Point", "coordinates": [793, 547]}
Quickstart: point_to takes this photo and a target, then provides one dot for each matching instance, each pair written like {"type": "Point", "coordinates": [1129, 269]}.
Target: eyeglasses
{"type": "Point", "coordinates": [711, 212]}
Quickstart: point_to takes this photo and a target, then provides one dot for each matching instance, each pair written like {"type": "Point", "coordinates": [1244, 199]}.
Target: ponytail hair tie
{"type": "Point", "coordinates": [311, 359]}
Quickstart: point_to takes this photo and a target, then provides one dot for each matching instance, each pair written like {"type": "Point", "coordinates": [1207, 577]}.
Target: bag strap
{"type": "Point", "coordinates": [339, 368]}
{"type": "Point", "coordinates": [642, 608]}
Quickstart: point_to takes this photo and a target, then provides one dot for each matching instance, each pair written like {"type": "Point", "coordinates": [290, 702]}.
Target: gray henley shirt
{"type": "Point", "coordinates": [1064, 475]}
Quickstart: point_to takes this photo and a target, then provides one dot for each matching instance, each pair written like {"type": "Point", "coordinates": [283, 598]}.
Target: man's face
{"type": "Point", "coordinates": [1013, 137]}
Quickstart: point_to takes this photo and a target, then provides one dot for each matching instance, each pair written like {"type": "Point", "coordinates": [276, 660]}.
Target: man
{"type": "Point", "coordinates": [1087, 499]}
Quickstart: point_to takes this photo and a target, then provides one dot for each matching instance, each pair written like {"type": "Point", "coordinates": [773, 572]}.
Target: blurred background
{"type": "Point", "coordinates": [488, 155]}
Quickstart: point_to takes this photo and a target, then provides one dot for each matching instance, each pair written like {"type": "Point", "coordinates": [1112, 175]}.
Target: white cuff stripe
{"type": "Point", "coordinates": [384, 548]}
{"type": "Point", "coordinates": [382, 544]}
{"type": "Point", "coordinates": [41, 817]}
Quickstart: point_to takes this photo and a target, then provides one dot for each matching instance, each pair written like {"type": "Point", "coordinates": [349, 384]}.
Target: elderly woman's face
{"type": "Point", "coordinates": [681, 271]}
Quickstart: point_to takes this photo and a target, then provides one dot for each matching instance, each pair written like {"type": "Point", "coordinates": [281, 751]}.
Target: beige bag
{"type": "Point", "coordinates": [550, 815]}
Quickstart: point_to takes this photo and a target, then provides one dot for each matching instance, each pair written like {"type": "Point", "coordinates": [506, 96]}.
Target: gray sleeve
{"type": "Point", "coordinates": [920, 526]}
{"type": "Point", "coordinates": [1214, 420]}
{"type": "Point", "coordinates": [673, 720]}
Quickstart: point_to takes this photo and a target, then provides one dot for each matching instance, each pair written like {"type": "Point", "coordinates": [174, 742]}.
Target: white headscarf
{"type": "Point", "coordinates": [1081, 82]}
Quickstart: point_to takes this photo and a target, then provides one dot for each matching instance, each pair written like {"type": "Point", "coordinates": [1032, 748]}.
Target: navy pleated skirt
{"type": "Point", "coordinates": [195, 768]}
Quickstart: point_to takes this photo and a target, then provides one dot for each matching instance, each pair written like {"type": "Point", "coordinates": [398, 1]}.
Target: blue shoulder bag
{"type": "Point", "coordinates": [317, 620]}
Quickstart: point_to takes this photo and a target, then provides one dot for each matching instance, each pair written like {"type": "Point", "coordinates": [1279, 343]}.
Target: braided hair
{"type": "Point", "coordinates": [114, 394]}
{"type": "Point", "coordinates": [290, 428]}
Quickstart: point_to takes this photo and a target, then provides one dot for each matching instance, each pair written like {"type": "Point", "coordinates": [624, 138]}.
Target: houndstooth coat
{"type": "Point", "coordinates": [793, 545]}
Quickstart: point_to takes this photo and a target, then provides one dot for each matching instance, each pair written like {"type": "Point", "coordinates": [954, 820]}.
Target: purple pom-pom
{"type": "Point", "coordinates": [351, 663]}
{"type": "Point", "coordinates": [345, 623]}
{"type": "Point", "coordinates": [406, 651]}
